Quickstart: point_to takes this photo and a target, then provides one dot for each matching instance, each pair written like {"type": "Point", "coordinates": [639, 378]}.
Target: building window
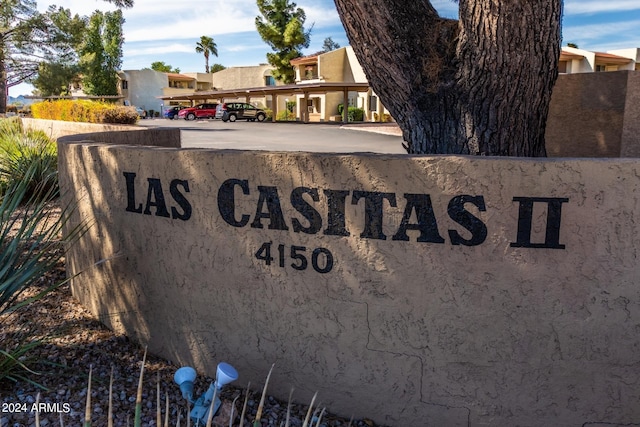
{"type": "Point", "coordinates": [601, 68]}
{"type": "Point", "coordinates": [373, 103]}
{"type": "Point", "coordinates": [562, 66]}
{"type": "Point", "coordinates": [125, 84]}
{"type": "Point", "coordinates": [269, 81]}
{"type": "Point", "coordinates": [310, 72]}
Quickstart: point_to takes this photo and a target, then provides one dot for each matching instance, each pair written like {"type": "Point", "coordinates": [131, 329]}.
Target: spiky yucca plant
{"type": "Point", "coordinates": [28, 156]}
{"type": "Point", "coordinates": [31, 245]}
{"type": "Point", "coordinates": [30, 240]}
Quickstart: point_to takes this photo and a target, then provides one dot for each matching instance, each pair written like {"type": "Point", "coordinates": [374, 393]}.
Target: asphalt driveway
{"type": "Point", "coordinates": [314, 137]}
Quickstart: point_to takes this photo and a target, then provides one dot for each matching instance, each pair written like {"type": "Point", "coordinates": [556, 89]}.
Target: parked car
{"type": "Point", "coordinates": [232, 111]}
{"type": "Point", "coordinates": [200, 111]}
{"type": "Point", "coordinates": [171, 112]}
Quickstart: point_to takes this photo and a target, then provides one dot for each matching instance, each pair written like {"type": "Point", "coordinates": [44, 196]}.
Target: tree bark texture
{"type": "Point", "coordinates": [3, 78]}
{"type": "Point", "coordinates": [480, 85]}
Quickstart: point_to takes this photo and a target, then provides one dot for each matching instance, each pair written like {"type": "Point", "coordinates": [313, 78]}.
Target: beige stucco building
{"type": "Point", "coordinates": [574, 60]}
{"type": "Point", "coordinates": [154, 90]}
{"type": "Point", "coordinates": [340, 65]}
{"type": "Point", "coordinates": [323, 82]}
{"type": "Point", "coordinates": [246, 77]}
{"type": "Point", "coordinates": [144, 88]}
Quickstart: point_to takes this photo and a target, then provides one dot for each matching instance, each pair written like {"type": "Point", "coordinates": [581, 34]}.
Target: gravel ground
{"type": "Point", "coordinates": [73, 341]}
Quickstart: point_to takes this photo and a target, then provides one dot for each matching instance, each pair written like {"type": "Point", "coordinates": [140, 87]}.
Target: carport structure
{"type": "Point", "coordinates": [277, 91]}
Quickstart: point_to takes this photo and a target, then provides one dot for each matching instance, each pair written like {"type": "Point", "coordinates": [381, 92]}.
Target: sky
{"type": "Point", "coordinates": [168, 30]}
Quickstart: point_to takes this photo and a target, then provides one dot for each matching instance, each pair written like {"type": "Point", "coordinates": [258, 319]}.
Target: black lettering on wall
{"type": "Point", "coordinates": [525, 220]}
{"type": "Point", "coordinates": [180, 199]}
{"type": "Point", "coordinates": [373, 213]}
{"type": "Point", "coordinates": [459, 214]}
{"type": "Point", "coordinates": [155, 198]}
{"type": "Point", "coordinates": [336, 202]}
{"type": "Point", "coordinates": [426, 220]}
{"type": "Point", "coordinates": [227, 201]}
{"type": "Point", "coordinates": [269, 197]}
{"type": "Point", "coordinates": [130, 178]}
{"type": "Point", "coordinates": [308, 212]}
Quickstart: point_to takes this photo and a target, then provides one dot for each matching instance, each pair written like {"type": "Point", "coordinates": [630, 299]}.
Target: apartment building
{"type": "Point", "coordinates": [337, 66]}
{"type": "Point", "coordinates": [574, 60]}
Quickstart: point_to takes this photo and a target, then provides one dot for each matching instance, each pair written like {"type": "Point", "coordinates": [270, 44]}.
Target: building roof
{"type": "Point", "coordinates": [610, 58]}
{"type": "Point", "coordinates": [565, 55]}
{"type": "Point", "coordinates": [292, 89]}
{"type": "Point", "coordinates": [309, 59]}
{"type": "Point", "coordinates": [180, 77]}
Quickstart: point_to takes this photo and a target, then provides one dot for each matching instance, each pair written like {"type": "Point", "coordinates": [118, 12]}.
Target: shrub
{"type": "Point", "coordinates": [120, 115]}
{"type": "Point", "coordinates": [384, 118]}
{"type": "Point", "coordinates": [30, 242]}
{"type": "Point", "coordinates": [84, 111]}
{"type": "Point", "coordinates": [27, 157]}
{"type": "Point", "coordinates": [10, 126]}
{"type": "Point", "coordinates": [286, 116]}
{"type": "Point", "coordinates": [354, 114]}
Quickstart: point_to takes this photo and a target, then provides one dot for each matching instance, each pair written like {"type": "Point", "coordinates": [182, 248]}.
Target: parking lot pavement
{"type": "Point", "coordinates": [313, 137]}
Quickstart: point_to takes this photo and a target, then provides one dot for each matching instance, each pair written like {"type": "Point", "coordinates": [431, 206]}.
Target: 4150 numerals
{"type": "Point", "coordinates": [321, 258]}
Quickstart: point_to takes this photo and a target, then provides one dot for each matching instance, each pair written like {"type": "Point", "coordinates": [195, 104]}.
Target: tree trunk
{"type": "Point", "coordinates": [3, 78]}
{"type": "Point", "coordinates": [480, 85]}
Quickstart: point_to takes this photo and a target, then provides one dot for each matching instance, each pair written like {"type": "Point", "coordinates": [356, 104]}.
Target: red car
{"type": "Point", "coordinates": [200, 111]}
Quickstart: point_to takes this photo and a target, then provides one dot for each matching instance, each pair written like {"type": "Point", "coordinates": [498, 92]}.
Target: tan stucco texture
{"type": "Point", "coordinates": [520, 306]}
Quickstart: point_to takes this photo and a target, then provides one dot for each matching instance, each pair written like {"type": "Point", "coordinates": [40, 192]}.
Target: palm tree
{"type": "Point", "coordinates": [207, 46]}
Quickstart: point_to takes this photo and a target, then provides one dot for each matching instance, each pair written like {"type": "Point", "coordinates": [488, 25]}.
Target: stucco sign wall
{"type": "Point", "coordinates": [444, 291]}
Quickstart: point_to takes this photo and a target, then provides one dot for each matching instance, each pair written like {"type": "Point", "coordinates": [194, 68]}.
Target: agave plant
{"type": "Point", "coordinates": [30, 246]}
{"type": "Point", "coordinates": [30, 240]}
{"type": "Point", "coordinates": [27, 156]}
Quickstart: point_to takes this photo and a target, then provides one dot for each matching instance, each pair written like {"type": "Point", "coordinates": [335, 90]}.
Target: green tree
{"type": "Point", "coordinates": [207, 47]}
{"type": "Point", "coordinates": [101, 53]}
{"type": "Point", "coordinates": [23, 43]}
{"type": "Point", "coordinates": [477, 85]}
{"type": "Point", "coordinates": [56, 75]}
{"type": "Point", "coordinates": [163, 68]}
{"type": "Point", "coordinates": [121, 3]}
{"type": "Point", "coordinates": [329, 45]}
{"type": "Point", "coordinates": [28, 37]}
{"type": "Point", "coordinates": [281, 26]}
{"type": "Point", "coordinates": [55, 78]}
{"type": "Point", "coordinates": [217, 67]}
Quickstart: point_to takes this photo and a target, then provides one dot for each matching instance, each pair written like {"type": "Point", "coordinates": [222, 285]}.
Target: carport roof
{"type": "Point", "coordinates": [274, 90]}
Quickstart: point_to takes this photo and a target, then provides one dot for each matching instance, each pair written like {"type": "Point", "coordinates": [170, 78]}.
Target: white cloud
{"type": "Point", "coordinates": [602, 30]}
{"type": "Point", "coordinates": [589, 7]}
{"type": "Point", "coordinates": [244, 48]}
{"type": "Point", "coordinates": [81, 7]}
{"type": "Point", "coordinates": [160, 49]}
{"type": "Point", "coordinates": [319, 16]}
{"type": "Point", "coordinates": [170, 19]}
